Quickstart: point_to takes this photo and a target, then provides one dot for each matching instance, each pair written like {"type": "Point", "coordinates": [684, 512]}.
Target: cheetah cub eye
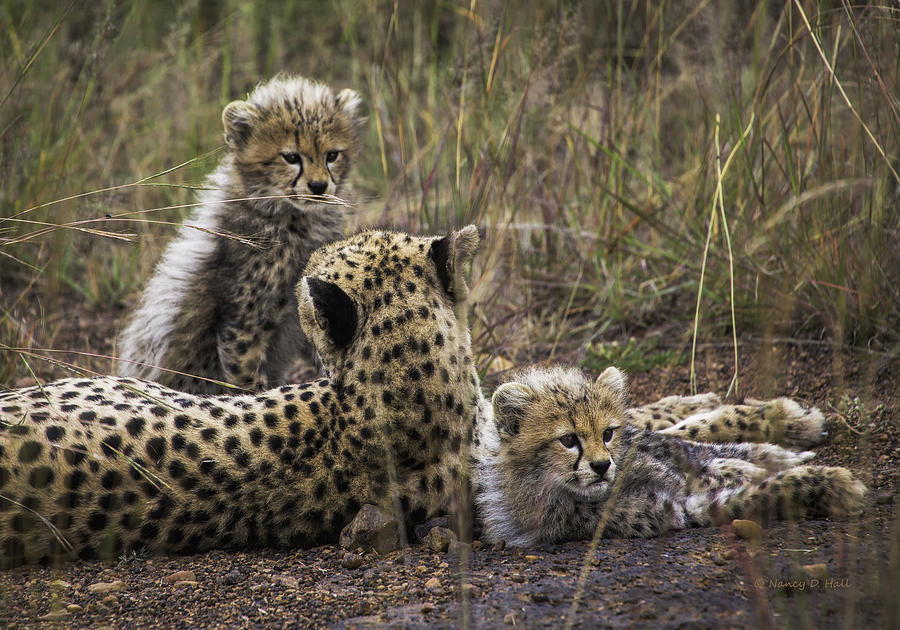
{"type": "Point", "coordinates": [291, 158]}
{"type": "Point", "coordinates": [607, 435]}
{"type": "Point", "coordinates": [331, 156]}
{"type": "Point", "coordinates": [569, 440]}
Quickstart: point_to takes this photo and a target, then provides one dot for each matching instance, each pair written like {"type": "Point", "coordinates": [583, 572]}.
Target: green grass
{"type": "Point", "coordinates": [700, 171]}
{"type": "Point", "coordinates": [610, 154]}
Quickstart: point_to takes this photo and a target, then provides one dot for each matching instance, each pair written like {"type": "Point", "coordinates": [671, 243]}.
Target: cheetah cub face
{"type": "Point", "coordinates": [293, 137]}
{"type": "Point", "coordinates": [569, 437]}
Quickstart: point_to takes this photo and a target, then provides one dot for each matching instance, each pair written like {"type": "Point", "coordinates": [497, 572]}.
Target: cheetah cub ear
{"type": "Point", "coordinates": [511, 402]}
{"type": "Point", "coordinates": [450, 255]}
{"type": "Point", "coordinates": [612, 381]}
{"type": "Point", "coordinates": [349, 101]}
{"type": "Point", "coordinates": [334, 311]}
{"type": "Point", "coordinates": [238, 117]}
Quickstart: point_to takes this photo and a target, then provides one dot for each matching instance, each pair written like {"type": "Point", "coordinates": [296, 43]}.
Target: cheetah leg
{"type": "Point", "coordinates": [802, 492]}
{"type": "Point", "coordinates": [779, 421]}
{"type": "Point", "coordinates": [668, 411]}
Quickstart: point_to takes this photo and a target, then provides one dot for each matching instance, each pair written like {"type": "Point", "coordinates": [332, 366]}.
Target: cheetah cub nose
{"type": "Point", "coordinates": [600, 467]}
{"type": "Point", "coordinates": [317, 188]}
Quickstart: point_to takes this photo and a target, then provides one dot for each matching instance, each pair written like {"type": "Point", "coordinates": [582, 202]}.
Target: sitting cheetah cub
{"type": "Point", "coordinates": [220, 304]}
{"type": "Point", "coordinates": [567, 461]}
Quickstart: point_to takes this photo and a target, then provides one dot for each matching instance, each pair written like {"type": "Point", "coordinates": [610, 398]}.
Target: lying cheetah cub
{"type": "Point", "coordinates": [223, 308]}
{"type": "Point", "coordinates": [567, 461]}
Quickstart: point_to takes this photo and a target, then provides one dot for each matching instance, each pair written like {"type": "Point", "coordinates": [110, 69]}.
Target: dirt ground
{"type": "Point", "coordinates": [806, 575]}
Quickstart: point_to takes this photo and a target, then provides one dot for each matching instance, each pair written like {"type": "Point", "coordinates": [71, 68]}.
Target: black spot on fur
{"type": "Point", "coordinates": [135, 426]}
{"type": "Point", "coordinates": [156, 448]}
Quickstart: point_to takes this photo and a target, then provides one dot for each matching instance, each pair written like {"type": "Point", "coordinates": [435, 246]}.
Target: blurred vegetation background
{"type": "Point", "coordinates": [644, 171]}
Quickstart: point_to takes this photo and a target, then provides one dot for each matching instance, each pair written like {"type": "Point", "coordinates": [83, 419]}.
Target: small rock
{"type": "Point", "coordinates": [60, 585]}
{"type": "Point", "coordinates": [286, 580]}
{"type": "Point", "coordinates": [233, 577]}
{"type": "Point", "coordinates": [731, 554]}
{"type": "Point", "coordinates": [351, 561]}
{"type": "Point", "coordinates": [539, 597]}
{"type": "Point", "coordinates": [746, 530]}
{"type": "Point", "coordinates": [421, 529]}
{"type": "Point", "coordinates": [472, 591]}
{"type": "Point", "coordinates": [885, 497]}
{"type": "Point", "coordinates": [426, 608]}
{"type": "Point", "coordinates": [107, 587]}
{"type": "Point", "coordinates": [371, 528]}
{"type": "Point", "coordinates": [186, 583]}
{"type": "Point", "coordinates": [439, 539]}
{"type": "Point", "coordinates": [458, 549]}
{"type": "Point", "coordinates": [818, 571]}
{"type": "Point", "coordinates": [55, 615]}
{"type": "Point", "coordinates": [421, 569]}
{"type": "Point", "coordinates": [433, 584]}
{"type": "Point", "coordinates": [532, 558]}
{"type": "Point", "coordinates": [718, 559]}
{"type": "Point", "coordinates": [477, 545]}
{"type": "Point", "coordinates": [110, 601]}
{"type": "Point", "coordinates": [180, 576]}
{"type": "Point", "coordinates": [74, 608]}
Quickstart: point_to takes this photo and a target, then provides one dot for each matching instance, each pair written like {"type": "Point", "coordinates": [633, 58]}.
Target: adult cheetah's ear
{"type": "Point", "coordinates": [450, 255]}
{"type": "Point", "coordinates": [510, 402]}
{"type": "Point", "coordinates": [335, 312]}
{"type": "Point", "coordinates": [612, 381]}
{"type": "Point", "coordinates": [238, 117]}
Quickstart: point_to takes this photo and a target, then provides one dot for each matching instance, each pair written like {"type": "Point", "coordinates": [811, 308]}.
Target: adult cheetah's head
{"type": "Point", "coordinates": [388, 299]}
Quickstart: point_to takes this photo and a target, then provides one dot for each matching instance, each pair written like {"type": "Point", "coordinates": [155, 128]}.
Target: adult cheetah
{"type": "Point", "coordinates": [92, 467]}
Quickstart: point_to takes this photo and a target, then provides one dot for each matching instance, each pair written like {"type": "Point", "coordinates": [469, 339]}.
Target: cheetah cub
{"type": "Point", "coordinates": [220, 305]}
{"type": "Point", "coordinates": [567, 461]}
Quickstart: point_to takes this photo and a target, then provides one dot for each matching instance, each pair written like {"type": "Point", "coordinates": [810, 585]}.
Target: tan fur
{"type": "Point", "coordinates": [92, 467]}
{"type": "Point", "coordinates": [220, 306]}
{"type": "Point", "coordinates": [567, 461]}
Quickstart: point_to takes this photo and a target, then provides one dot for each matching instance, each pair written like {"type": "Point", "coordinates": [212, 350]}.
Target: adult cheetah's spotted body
{"type": "Point", "coordinates": [108, 464]}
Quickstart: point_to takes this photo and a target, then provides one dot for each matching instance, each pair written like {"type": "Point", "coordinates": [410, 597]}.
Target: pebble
{"type": "Point", "coordinates": [818, 571]}
{"type": "Point", "coordinates": [421, 569]}
{"type": "Point", "coordinates": [110, 601]}
{"type": "Point", "coordinates": [532, 558]}
{"type": "Point", "coordinates": [472, 591]}
{"type": "Point", "coordinates": [60, 584]}
{"type": "Point", "coordinates": [180, 576]}
{"type": "Point", "coordinates": [186, 583]}
{"type": "Point", "coordinates": [371, 528]}
{"type": "Point", "coordinates": [439, 538]}
{"type": "Point", "coordinates": [74, 608]}
{"type": "Point", "coordinates": [539, 597]}
{"type": "Point", "coordinates": [426, 608]}
{"type": "Point", "coordinates": [107, 587]}
{"type": "Point", "coordinates": [286, 580]}
{"type": "Point", "coordinates": [233, 577]}
{"type": "Point", "coordinates": [55, 615]}
{"type": "Point", "coordinates": [512, 618]}
{"type": "Point", "coordinates": [718, 559]}
{"type": "Point", "coordinates": [352, 561]}
{"type": "Point", "coordinates": [746, 530]}
{"type": "Point", "coordinates": [433, 584]}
